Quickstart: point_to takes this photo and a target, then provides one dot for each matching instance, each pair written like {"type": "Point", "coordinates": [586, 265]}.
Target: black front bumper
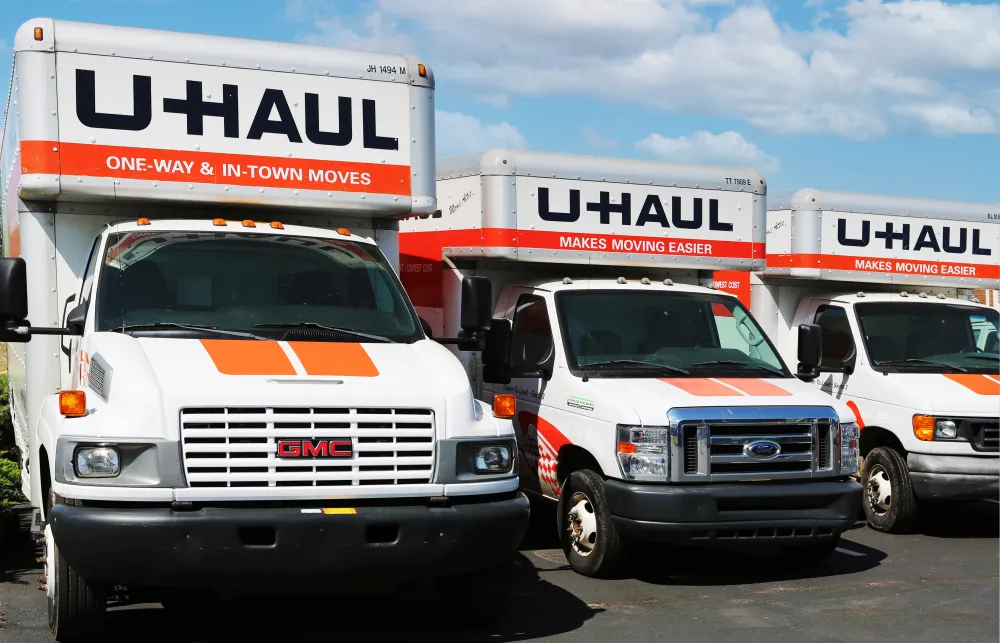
{"type": "Point", "coordinates": [734, 512]}
{"type": "Point", "coordinates": [954, 477]}
{"type": "Point", "coordinates": [216, 547]}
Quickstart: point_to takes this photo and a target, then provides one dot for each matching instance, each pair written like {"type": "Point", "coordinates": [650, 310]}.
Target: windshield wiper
{"type": "Point", "coordinates": [636, 362]}
{"type": "Point", "coordinates": [992, 359]}
{"type": "Point", "coordinates": [331, 329]}
{"type": "Point", "coordinates": [732, 362]}
{"type": "Point", "coordinates": [193, 327]}
{"type": "Point", "coordinates": [917, 360]}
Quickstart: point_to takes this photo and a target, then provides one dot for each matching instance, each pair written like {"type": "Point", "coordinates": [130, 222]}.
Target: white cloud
{"type": "Point", "coordinates": [597, 140]}
{"type": "Point", "coordinates": [706, 148]}
{"type": "Point", "coordinates": [951, 119]}
{"type": "Point", "coordinates": [497, 99]}
{"type": "Point", "coordinates": [463, 134]}
{"type": "Point", "coordinates": [859, 76]}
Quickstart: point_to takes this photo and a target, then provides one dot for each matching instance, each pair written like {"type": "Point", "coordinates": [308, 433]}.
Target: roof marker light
{"type": "Point", "coordinates": [248, 223]}
{"type": "Point", "coordinates": [940, 296]}
{"type": "Point", "coordinates": [39, 34]}
{"type": "Point", "coordinates": [221, 222]}
{"type": "Point", "coordinates": [567, 281]}
{"type": "Point", "coordinates": [922, 295]}
{"type": "Point", "coordinates": [277, 225]}
{"type": "Point", "coordinates": [645, 281]}
{"type": "Point", "coordinates": [344, 231]}
{"type": "Point", "coordinates": [622, 280]}
{"type": "Point", "coordinates": [904, 294]}
{"type": "Point", "coordinates": [422, 70]}
{"type": "Point", "coordinates": [142, 221]}
{"type": "Point", "coordinates": [861, 294]}
{"type": "Point", "coordinates": [668, 282]}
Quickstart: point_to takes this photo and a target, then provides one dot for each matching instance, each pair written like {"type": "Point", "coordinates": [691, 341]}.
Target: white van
{"type": "Point", "coordinates": [222, 383]}
{"type": "Point", "coordinates": [918, 365]}
{"type": "Point", "coordinates": [650, 406]}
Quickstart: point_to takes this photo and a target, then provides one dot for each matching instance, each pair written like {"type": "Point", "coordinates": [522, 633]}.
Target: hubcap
{"type": "Point", "coordinates": [879, 490]}
{"type": "Point", "coordinates": [582, 524]}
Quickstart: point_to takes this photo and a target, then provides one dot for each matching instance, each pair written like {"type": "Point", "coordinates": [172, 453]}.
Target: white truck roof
{"type": "Point", "coordinates": [107, 112]}
{"type": "Point", "coordinates": [541, 207]}
{"type": "Point", "coordinates": [867, 238]}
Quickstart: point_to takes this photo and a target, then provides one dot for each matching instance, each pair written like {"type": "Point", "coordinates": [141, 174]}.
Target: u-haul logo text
{"type": "Point", "coordinates": [928, 238]}
{"type": "Point", "coordinates": [651, 211]}
{"type": "Point", "coordinates": [272, 116]}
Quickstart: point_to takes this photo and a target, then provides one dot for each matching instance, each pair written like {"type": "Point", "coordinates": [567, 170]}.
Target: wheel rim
{"type": "Point", "coordinates": [582, 524]}
{"type": "Point", "coordinates": [879, 491]}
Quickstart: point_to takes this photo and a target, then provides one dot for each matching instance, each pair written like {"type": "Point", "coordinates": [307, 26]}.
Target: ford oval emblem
{"type": "Point", "coordinates": [762, 449]}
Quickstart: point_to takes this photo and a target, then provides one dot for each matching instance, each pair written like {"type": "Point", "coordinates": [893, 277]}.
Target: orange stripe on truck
{"type": "Point", "coordinates": [981, 384]}
{"type": "Point", "coordinates": [701, 387]}
{"type": "Point", "coordinates": [335, 359]}
{"type": "Point", "coordinates": [248, 357]}
{"type": "Point", "coordinates": [755, 387]}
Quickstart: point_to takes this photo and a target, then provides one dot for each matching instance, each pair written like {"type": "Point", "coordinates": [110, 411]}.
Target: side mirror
{"type": "Point", "coordinates": [810, 351]}
{"type": "Point", "coordinates": [477, 304]}
{"type": "Point", "coordinates": [76, 318]}
{"type": "Point", "coordinates": [13, 299]}
{"type": "Point", "coordinates": [427, 328]}
{"type": "Point", "coordinates": [496, 353]}
{"type": "Point", "coordinates": [13, 290]}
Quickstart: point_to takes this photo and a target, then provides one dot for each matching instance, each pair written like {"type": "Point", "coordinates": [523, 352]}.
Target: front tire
{"type": "Point", "coordinates": [587, 531]}
{"type": "Point", "coordinates": [889, 503]}
{"type": "Point", "coordinates": [76, 606]}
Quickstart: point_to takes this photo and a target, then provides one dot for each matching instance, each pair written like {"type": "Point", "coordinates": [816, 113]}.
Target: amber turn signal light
{"type": "Point", "coordinates": [504, 406]}
{"type": "Point", "coordinates": [923, 427]}
{"type": "Point", "coordinates": [72, 404]}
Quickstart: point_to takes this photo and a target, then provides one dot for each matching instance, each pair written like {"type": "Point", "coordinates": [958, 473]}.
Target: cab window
{"type": "Point", "coordinates": [531, 340]}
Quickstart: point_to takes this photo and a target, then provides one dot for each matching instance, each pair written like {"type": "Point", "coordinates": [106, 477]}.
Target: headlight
{"type": "Point", "coordinates": [849, 435]}
{"type": "Point", "coordinates": [927, 428]}
{"type": "Point", "coordinates": [493, 458]}
{"type": "Point", "coordinates": [642, 452]}
{"type": "Point", "coordinates": [97, 462]}
{"type": "Point", "coordinates": [945, 430]}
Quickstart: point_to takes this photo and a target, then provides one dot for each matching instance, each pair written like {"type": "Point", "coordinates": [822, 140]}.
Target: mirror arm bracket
{"type": "Point", "coordinates": [28, 329]}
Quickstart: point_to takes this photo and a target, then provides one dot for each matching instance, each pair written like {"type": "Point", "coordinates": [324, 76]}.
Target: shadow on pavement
{"type": "Point", "coordinates": [538, 609]}
{"type": "Point", "coordinates": [17, 552]}
{"type": "Point", "coordinates": [959, 520]}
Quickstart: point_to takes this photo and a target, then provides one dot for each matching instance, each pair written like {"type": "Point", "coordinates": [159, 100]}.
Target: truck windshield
{"type": "Point", "coordinates": [930, 337]}
{"type": "Point", "coordinates": [641, 334]}
{"type": "Point", "coordinates": [209, 284]}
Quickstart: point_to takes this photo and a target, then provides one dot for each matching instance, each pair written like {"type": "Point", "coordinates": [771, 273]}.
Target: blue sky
{"type": "Point", "coordinates": [886, 97]}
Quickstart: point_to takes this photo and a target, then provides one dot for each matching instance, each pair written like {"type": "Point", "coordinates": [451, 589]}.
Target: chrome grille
{"type": "Point", "coordinates": [237, 447]}
{"type": "Point", "coordinates": [712, 443]}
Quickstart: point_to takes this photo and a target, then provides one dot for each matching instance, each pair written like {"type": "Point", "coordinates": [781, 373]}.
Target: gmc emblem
{"type": "Point", "coordinates": [335, 448]}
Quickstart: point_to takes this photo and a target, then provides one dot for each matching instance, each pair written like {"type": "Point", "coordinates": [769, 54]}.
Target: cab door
{"type": "Point", "coordinates": [532, 347]}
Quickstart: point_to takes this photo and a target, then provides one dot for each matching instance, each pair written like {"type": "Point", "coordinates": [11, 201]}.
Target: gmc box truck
{"type": "Point", "coordinates": [650, 406]}
{"type": "Point", "coordinates": [918, 365]}
{"type": "Point", "coordinates": [216, 378]}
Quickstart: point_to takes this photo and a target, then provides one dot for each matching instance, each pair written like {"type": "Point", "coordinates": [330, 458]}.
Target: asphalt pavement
{"type": "Point", "coordinates": [937, 585]}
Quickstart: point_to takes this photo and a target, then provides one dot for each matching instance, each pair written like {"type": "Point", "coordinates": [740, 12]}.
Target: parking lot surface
{"type": "Point", "coordinates": [939, 584]}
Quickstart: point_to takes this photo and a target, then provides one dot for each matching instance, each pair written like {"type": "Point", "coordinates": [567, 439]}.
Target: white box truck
{"type": "Point", "coordinates": [217, 380]}
{"type": "Point", "coordinates": [650, 408]}
{"type": "Point", "coordinates": [918, 365]}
